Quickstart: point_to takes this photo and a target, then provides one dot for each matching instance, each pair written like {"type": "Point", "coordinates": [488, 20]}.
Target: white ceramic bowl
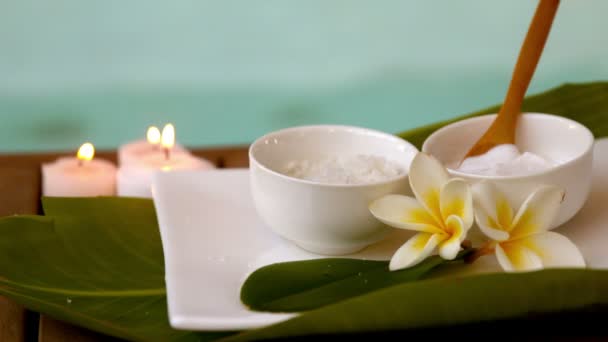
{"type": "Point", "coordinates": [559, 139]}
{"type": "Point", "coordinates": [323, 218]}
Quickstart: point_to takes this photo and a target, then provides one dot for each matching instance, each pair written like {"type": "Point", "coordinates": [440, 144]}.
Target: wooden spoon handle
{"type": "Point", "coordinates": [502, 130]}
{"type": "Point", "coordinates": [529, 56]}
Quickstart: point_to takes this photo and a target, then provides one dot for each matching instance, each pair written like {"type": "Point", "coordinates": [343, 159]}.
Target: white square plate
{"type": "Point", "coordinates": [213, 239]}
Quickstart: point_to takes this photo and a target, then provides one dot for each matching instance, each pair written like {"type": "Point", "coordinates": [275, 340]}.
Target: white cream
{"type": "Point", "coordinates": [504, 160]}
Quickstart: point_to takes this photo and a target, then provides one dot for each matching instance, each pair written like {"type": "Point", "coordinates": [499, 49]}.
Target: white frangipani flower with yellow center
{"type": "Point", "coordinates": [442, 213]}
{"type": "Point", "coordinates": [521, 241]}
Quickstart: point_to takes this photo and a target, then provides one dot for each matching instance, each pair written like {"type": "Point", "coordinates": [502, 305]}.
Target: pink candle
{"type": "Point", "coordinates": [134, 179]}
{"type": "Point", "coordinates": [134, 152]}
{"type": "Point", "coordinates": [80, 176]}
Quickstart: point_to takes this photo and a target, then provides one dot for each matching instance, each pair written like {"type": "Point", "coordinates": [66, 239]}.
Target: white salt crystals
{"type": "Point", "coordinates": [356, 169]}
{"type": "Point", "coordinates": [504, 160]}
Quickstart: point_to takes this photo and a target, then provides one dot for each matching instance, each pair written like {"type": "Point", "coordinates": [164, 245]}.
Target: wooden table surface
{"type": "Point", "coordinates": [20, 181]}
{"type": "Point", "coordinates": [20, 186]}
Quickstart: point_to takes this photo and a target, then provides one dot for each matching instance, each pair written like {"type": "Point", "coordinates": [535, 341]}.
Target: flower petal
{"type": "Point", "coordinates": [537, 212]}
{"type": "Point", "coordinates": [403, 212]}
{"type": "Point", "coordinates": [427, 176]}
{"type": "Point", "coordinates": [514, 256]}
{"type": "Point", "coordinates": [493, 212]}
{"type": "Point", "coordinates": [449, 248]}
{"type": "Point", "coordinates": [455, 198]}
{"type": "Point", "coordinates": [554, 250]}
{"type": "Point", "coordinates": [416, 249]}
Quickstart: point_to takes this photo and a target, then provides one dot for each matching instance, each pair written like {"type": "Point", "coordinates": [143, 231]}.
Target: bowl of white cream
{"type": "Point", "coordinates": [313, 184]}
{"type": "Point", "coordinates": [549, 150]}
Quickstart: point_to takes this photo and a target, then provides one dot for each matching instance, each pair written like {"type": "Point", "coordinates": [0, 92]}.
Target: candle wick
{"type": "Point", "coordinates": [166, 150]}
{"type": "Point", "coordinates": [80, 162]}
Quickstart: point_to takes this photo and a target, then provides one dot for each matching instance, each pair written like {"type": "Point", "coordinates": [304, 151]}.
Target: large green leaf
{"type": "Point", "coordinates": [305, 285]}
{"type": "Point", "coordinates": [98, 262]}
{"type": "Point", "coordinates": [449, 301]}
{"type": "Point", "coordinates": [94, 262]}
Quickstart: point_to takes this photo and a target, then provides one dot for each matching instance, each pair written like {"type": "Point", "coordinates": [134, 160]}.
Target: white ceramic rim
{"type": "Point", "coordinates": [376, 133]}
{"type": "Point", "coordinates": [586, 151]}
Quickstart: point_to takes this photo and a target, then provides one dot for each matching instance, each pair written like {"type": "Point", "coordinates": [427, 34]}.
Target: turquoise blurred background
{"type": "Point", "coordinates": [226, 72]}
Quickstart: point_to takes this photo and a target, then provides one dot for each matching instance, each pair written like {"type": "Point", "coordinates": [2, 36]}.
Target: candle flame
{"type": "Point", "coordinates": [167, 139]}
{"type": "Point", "coordinates": [86, 152]}
{"type": "Point", "coordinates": [153, 135]}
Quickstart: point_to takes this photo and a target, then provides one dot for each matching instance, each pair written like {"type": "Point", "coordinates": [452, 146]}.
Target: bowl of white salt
{"type": "Point", "coordinates": [313, 184]}
{"type": "Point", "coordinates": [549, 150]}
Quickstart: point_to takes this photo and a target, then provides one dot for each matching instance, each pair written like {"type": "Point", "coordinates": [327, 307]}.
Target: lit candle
{"type": "Point", "coordinates": [167, 140]}
{"type": "Point", "coordinates": [135, 179]}
{"type": "Point", "coordinates": [80, 176]}
{"type": "Point", "coordinates": [132, 152]}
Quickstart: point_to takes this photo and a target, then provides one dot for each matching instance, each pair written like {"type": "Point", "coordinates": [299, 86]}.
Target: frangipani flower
{"type": "Point", "coordinates": [442, 213]}
{"type": "Point", "coordinates": [521, 240]}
